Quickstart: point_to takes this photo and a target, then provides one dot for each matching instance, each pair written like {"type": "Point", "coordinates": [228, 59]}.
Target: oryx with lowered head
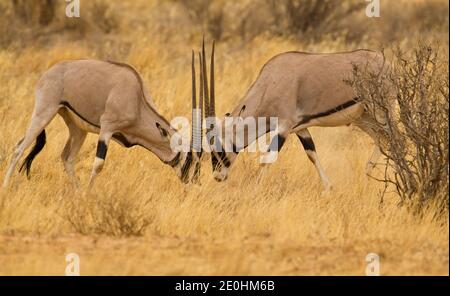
{"type": "Point", "coordinates": [109, 99]}
{"type": "Point", "coordinates": [301, 90]}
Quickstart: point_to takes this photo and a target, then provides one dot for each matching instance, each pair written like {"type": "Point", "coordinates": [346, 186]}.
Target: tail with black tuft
{"type": "Point", "coordinates": [40, 143]}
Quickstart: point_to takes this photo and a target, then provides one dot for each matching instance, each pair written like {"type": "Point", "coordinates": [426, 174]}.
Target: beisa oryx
{"type": "Point", "coordinates": [301, 90]}
{"type": "Point", "coordinates": [109, 99]}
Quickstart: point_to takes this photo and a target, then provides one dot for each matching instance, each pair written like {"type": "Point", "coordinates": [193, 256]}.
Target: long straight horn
{"type": "Point", "coordinates": [194, 103]}
{"type": "Point", "coordinates": [200, 103]}
{"type": "Point", "coordinates": [205, 82]}
{"type": "Point", "coordinates": [212, 102]}
{"type": "Point", "coordinates": [194, 86]}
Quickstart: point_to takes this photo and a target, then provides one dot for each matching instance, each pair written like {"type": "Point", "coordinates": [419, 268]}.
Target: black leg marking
{"type": "Point", "coordinates": [101, 149]}
{"type": "Point", "coordinates": [221, 154]}
{"type": "Point", "coordinates": [307, 143]}
{"type": "Point", "coordinates": [235, 150]}
{"type": "Point", "coordinates": [223, 157]}
{"type": "Point", "coordinates": [214, 161]}
{"type": "Point", "coordinates": [277, 143]}
{"type": "Point", "coordinates": [196, 175]}
{"type": "Point", "coordinates": [175, 160]}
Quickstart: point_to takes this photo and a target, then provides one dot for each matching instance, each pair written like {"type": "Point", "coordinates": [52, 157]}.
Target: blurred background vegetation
{"type": "Point", "coordinates": [25, 21]}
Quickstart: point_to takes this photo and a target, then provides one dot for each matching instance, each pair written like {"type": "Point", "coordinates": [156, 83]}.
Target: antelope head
{"type": "Point", "coordinates": [220, 160]}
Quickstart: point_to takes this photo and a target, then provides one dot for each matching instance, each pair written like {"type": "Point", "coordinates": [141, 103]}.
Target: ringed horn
{"type": "Point", "coordinates": [210, 103]}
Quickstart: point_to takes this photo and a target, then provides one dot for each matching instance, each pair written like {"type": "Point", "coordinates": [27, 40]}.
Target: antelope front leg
{"type": "Point", "coordinates": [310, 148]}
{"type": "Point", "coordinates": [102, 148]}
{"type": "Point", "coordinates": [271, 154]}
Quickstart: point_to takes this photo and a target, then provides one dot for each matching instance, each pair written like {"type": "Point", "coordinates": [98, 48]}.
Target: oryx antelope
{"type": "Point", "coordinates": [106, 98]}
{"type": "Point", "coordinates": [302, 90]}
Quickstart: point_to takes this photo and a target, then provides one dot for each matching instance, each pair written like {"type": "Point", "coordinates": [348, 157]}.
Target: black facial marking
{"type": "Point", "coordinates": [175, 161]}
{"type": "Point", "coordinates": [242, 110]}
{"type": "Point", "coordinates": [235, 149]}
{"type": "Point", "coordinates": [215, 162]}
{"type": "Point", "coordinates": [307, 143]}
{"type": "Point", "coordinates": [196, 176]}
{"type": "Point", "coordinates": [218, 153]}
{"type": "Point", "coordinates": [186, 166]}
{"type": "Point", "coordinates": [307, 118]}
{"type": "Point", "coordinates": [223, 157]}
{"type": "Point", "coordinates": [101, 149]}
{"type": "Point", "coordinates": [163, 132]}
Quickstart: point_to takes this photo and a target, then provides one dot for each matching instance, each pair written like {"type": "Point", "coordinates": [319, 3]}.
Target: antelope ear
{"type": "Point", "coordinates": [242, 110]}
{"type": "Point", "coordinates": [162, 130]}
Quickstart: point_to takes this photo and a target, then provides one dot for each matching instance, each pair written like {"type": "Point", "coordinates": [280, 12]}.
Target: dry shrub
{"type": "Point", "coordinates": [313, 20]}
{"type": "Point", "coordinates": [306, 20]}
{"type": "Point", "coordinates": [109, 214]}
{"type": "Point", "coordinates": [39, 12]}
{"type": "Point", "coordinates": [410, 104]}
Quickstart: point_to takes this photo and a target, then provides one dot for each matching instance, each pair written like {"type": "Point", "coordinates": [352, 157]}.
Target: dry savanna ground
{"type": "Point", "coordinates": [140, 220]}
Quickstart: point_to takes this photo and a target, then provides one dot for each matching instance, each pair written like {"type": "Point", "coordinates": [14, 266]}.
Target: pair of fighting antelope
{"type": "Point", "coordinates": [109, 98]}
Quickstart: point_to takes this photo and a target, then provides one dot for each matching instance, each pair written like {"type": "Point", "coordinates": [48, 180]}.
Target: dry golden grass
{"type": "Point", "coordinates": [141, 220]}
